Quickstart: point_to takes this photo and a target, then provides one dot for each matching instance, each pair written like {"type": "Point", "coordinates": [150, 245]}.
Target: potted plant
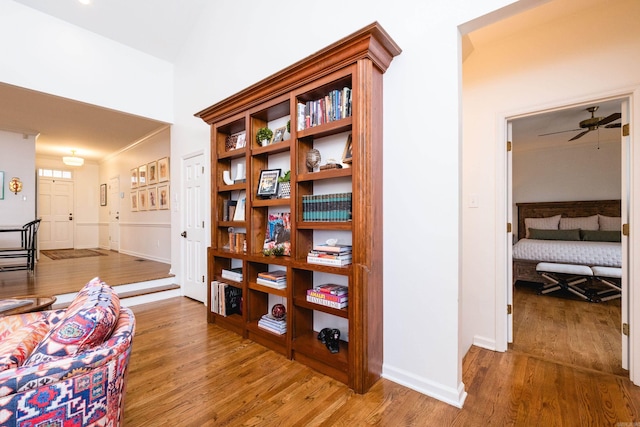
{"type": "Point", "coordinates": [284, 187]}
{"type": "Point", "coordinates": [263, 136]}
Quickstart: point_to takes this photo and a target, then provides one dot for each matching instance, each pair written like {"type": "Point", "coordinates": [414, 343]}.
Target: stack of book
{"type": "Point", "coordinates": [330, 295]}
{"type": "Point", "coordinates": [334, 255]}
{"type": "Point", "coordinates": [271, 324]}
{"type": "Point", "coordinates": [335, 207]}
{"type": "Point", "coordinates": [234, 274]}
{"type": "Point", "coordinates": [225, 299]}
{"type": "Point", "coordinates": [274, 279]}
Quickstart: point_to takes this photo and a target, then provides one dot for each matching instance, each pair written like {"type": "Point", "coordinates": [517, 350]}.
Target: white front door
{"type": "Point", "coordinates": [194, 253]}
{"type": "Point", "coordinates": [113, 202]}
{"type": "Point", "coordinates": [55, 208]}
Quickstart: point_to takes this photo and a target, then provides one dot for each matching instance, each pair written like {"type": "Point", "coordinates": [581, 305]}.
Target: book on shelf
{"type": "Point", "coordinates": [277, 275]}
{"type": "Point", "coordinates": [331, 288]}
{"type": "Point", "coordinates": [335, 105]}
{"type": "Point", "coordinates": [333, 249]}
{"type": "Point", "coordinates": [238, 215]}
{"type": "Point", "coordinates": [11, 303]}
{"type": "Point", "coordinates": [271, 324]}
{"type": "Point", "coordinates": [228, 209]}
{"type": "Point", "coordinates": [278, 232]}
{"type": "Point", "coordinates": [325, 255]}
{"type": "Point", "coordinates": [271, 283]}
{"type": "Point", "coordinates": [234, 274]}
{"type": "Point", "coordinates": [311, 259]}
{"type": "Point", "coordinates": [327, 303]}
{"type": "Point", "coordinates": [225, 299]}
{"type": "Point", "coordinates": [335, 207]}
{"type": "Point", "coordinates": [327, 297]}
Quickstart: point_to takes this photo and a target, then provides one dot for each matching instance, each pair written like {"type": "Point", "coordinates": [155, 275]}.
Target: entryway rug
{"type": "Point", "coordinates": [56, 254]}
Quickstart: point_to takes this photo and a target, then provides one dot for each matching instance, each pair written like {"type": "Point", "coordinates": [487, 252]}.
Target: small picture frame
{"type": "Point", "coordinates": [152, 198]}
{"type": "Point", "coordinates": [163, 169]}
{"type": "Point", "coordinates": [142, 175]}
{"type": "Point", "coordinates": [1, 185]}
{"type": "Point", "coordinates": [347, 155]}
{"type": "Point", "coordinates": [163, 196]}
{"type": "Point", "coordinates": [103, 194]}
{"type": "Point", "coordinates": [152, 172]}
{"type": "Point", "coordinates": [142, 200]}
{"type": "Point", "coordinates": [134, 201]}
{"type": "Point", "coordinates": [268, 184]}
{"type": "Point", "coordinates": [278, 135]}
{"type": "Point", "coordinates": [134, 178]}
{"type": "Point", "coordinates": [241, 141]}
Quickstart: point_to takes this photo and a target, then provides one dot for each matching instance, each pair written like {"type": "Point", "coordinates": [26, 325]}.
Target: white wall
{"type": "Point", "coordinates": [592, 55]}
{"type": "Point", "coordinates": [18, 159]}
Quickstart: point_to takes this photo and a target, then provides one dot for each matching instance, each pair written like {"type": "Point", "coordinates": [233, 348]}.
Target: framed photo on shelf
{"type": "Point", "coordinates": [163, 169]}
{"type": "Point", "coordinates": [347, 155]}
{"type": "Point", "coordinates": [241, 141]}
{"type": "Point", "coordinates": [268, 184]}
{"type": "Point", "coordinates": [278, 135]}
{"type": "Point", "coordinates": [152, 172]}
{"type": "Point", "coordinates": [103, 194]}
{"type": "Point", "coordinates": [152, 197]}
{"type": "Point", "coordinates": [142, 175]}
{"type": "Point", "coordinates": [163, 196]}
{"type": "Point", "coordinates": [134, 201]}
{"type": "Point", "coordinates": [134, 178]}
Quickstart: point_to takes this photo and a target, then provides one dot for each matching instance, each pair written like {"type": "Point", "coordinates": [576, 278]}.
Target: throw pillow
{"type": "Point", "coordinates": [610, 223]}
{"type": "Point", "coordinates": [571, 235]}
{"type": "Point", "coordinates": [15, 348]}
{"type": "Point", "coordinates": [548, 223]}
{"type": "Point", "coordinates": [583, 223]}
{"type": "Point", "coordinates": [601, 235]}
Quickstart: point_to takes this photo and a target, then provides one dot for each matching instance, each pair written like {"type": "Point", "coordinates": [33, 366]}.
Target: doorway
{"type": "Point", "coordinates": [551, 161]}
{"type": "Point", "coordinates": [55, 207]}
{"type": "Point", "coordinates": [114, 213]}
{"type": "Point", "coordinates": [193, 248]}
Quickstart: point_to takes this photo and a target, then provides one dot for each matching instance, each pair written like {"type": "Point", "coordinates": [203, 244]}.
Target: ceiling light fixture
{"type": "Point", "coordinates": [73, 160]}
{"type": "Point", "coordinates": [85, 1]}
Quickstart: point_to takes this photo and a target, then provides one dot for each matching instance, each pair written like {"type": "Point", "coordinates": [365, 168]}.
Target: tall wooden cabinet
{"type": "Point", "coordinates": [354, 64]}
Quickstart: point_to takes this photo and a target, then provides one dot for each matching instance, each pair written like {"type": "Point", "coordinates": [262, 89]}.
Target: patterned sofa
{"type": "Point", "coordinates": [67, 367]}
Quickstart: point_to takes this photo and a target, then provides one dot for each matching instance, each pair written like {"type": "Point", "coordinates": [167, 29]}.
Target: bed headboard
{"type": "Point", "coordinates": [566, 209]}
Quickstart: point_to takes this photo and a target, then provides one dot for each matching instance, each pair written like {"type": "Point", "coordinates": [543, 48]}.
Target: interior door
{"type": "Point", "coordinates": [55, 207]}
{"type": "Point", "coordinates": [626, 202]}
{"type": "Point", "coordinates": [509, 234]}
{"type": "Point", "coordinates": [194, 254]}
{"type": "Point", "coordinates": [113, 202]}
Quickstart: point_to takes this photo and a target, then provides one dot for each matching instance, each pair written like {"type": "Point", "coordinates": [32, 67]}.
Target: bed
{"type": "Point", "coordinates": [528, 251]}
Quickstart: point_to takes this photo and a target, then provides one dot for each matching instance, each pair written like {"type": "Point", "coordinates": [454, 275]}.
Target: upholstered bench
{"type": "Point", "coordinates": [610, 277]}
{"type": "Point", "coordinates": [567, 277]}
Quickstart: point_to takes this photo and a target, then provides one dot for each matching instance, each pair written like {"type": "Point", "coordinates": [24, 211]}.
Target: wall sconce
{"type": "Point", "coordinates": [15, 185]}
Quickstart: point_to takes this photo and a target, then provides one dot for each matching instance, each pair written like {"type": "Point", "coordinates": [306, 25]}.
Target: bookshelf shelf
{"type": "Point", "coordinates": [330, 102]}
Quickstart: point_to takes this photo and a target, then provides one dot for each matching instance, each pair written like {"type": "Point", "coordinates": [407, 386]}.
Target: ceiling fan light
{"type": "Point", "coordinates": [73, 160]}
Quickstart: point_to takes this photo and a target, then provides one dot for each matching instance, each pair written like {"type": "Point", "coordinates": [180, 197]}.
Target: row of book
{"type": "Point", "coordinates": [334, 106]}
{"type": "Point", "coordinates": [327, 207]}
{"type": "Point", "coordinates": [274, 279]}
{"type": "Point", "coordinates": [225, 299]}
{"type": "Point", "coordinates": [333, 255]}
{"type": "Point", "coordinates": [272, 324]}
{"type": "Point", "coordinates": [329, 295]}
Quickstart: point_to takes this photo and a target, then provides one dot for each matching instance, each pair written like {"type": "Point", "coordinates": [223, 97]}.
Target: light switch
{"type": "Point", "coordinates": [473, 200]}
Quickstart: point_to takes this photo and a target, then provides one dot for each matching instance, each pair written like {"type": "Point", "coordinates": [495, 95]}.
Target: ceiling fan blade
{"type": "Point", "coordinates": [609, 119]}
{"type": "Point", "coordinates": [614, 125]}
{"type": "Point", "coordinates": [562, 131]}
{"type": "Point", "coordinates": [580, 135]}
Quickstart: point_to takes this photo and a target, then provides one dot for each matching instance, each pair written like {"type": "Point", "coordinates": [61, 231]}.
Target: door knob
{"type": "Point", "coordinates": [184, 234]}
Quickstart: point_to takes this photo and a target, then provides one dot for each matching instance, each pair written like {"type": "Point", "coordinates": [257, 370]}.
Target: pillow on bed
{"type": "Point", "coordinates": [610, 223]}
{"type": "Point", "coordinates": [583, 223]}
{"type": "Point", "coordinates": [548, 223]}
{"type": "Point", "coordinates": [601, 235]}
{"type": "Point", "coordinates": [554, 234]}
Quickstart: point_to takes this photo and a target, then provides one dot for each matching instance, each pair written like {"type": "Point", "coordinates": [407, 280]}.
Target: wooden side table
{"type": "Point", "coordinates": [39, 303]}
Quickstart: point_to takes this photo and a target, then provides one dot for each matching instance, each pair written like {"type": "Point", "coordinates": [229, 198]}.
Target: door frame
{"type": "Point", "coordinates": [504, 268]}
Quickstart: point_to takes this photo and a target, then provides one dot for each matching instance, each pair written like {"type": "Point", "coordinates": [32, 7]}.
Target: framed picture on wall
{"type": "Point", "coordinates": [134, 201]}
{"type": "Point", "coordinates": [103, 194]}
{"type": "Point", "coordinates": [142, 175]}
{"type": "Point", "coordinates": [152, 198]}
{"type": "Point", "coordinates": [163, 196]}
{"type": "Point", "coordinates": [134, 178]}
{"type": "Point", "coordinates": [152, 172]}
{"type": "Point", "coordinates": [163, 169]}
{"type": "Point", "coordinates": [142, 200]}
{"type": "Point", "coordinates": [1, 185]}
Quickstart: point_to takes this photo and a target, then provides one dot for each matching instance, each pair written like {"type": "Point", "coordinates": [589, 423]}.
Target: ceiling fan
{"type": "Point", "coordinates": [592, 123]}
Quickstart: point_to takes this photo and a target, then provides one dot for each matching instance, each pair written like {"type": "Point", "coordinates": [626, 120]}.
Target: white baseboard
{"type": "Point", "coordinates": [484, 342]}
{"type": "Point", "coordinates": [452, 396]}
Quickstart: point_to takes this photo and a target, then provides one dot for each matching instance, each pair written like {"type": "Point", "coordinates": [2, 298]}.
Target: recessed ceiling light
{"type": "Point", "coordinates": [85, 1]}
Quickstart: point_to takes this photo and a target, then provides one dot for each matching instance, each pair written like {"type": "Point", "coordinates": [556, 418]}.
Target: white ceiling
{"type": "Point", "coordinates": [161, 27]}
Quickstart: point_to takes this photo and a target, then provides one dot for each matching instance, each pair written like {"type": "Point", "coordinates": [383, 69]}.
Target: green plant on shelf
{"type": "Point", "coordinates": [286, 177]}
{"type": "Point", "coordinates": [263, 136]}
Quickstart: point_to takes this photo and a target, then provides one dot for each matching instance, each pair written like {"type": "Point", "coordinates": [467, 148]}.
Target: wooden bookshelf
{"type": "Point", "coordinates": [352, 67]}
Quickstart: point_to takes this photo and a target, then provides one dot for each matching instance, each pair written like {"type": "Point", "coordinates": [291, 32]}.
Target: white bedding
{"type": "Point", "coordinates": [606, 254]}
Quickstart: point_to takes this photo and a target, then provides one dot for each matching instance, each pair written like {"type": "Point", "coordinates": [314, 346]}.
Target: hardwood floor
{"type": "Point", "coordinates": [69, 275]}
{"type": "Point", "coordinates": [185, 372]}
